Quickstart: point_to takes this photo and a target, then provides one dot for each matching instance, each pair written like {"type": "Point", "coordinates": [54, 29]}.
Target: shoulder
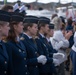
{"type": "Point", "coordinates": [22, 38]}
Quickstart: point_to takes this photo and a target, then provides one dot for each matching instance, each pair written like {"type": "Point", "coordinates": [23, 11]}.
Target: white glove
{"type": "Point", "coordinates": [56, 62]}
{"type": "Point", "coordinates": [58, 55]}
{"type": "Point", "coordinates": [42, 59]}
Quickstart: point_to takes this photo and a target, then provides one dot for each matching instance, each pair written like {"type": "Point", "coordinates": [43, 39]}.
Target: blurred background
{"type": "Point", "coordinates": [65, 8]}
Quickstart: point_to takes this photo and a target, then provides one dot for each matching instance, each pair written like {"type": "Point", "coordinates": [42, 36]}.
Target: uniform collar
{"type": "Point", "coordinates": [42, 35]}
{"type": "Point", "coordinates": [18, 39]}
{"type": "Point", "coordinates": [27, 36]}
{"type": "Point", "coordinates": [0, 40]}
{"type": "Point", "coordinates": [48, 39]}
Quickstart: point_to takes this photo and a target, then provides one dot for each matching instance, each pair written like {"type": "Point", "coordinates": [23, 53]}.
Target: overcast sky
{"type": "Point", "coordinates": [43, 1]}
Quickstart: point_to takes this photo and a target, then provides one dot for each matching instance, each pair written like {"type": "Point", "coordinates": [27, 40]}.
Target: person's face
{"type": "Point", "coordinates": [4, 29]}
{"type": "Point", "coordinates": [45, 29]}
{"type": "Point", "coordinates": [19, 28]}
{"type": "Point", "coordinates": [33, 30]}
{"type": "Point", "coordinates": [10, 10]}
{"type": "Point", "coordinates": [50, 32]}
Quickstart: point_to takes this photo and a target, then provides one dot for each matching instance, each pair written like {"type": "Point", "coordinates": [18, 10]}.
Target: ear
{"type": "Point", "coordinates": [29, 28]}
{"type": "Point", "coordinates": [0, 27]}
{"type": "Point", "coordinates": [15, 26]}
{"type": "Point", "coordinates": [42, 28]}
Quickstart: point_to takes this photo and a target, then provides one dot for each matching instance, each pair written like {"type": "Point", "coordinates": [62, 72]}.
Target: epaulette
{"type": "Point", "coordinates": [5, 41]}
{"type": "Point", "coordinates": [22, 38]}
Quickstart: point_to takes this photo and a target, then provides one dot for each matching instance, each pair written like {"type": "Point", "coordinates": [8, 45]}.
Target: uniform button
{"type": "Point", "coordinates": [26, 72]}
{"type": "Point", "coordinates": [19, 50]}
{"type": "Point", "coordinates": [48, 55]}
{"type": "Point", "coordinates": [36, 66]}
{"type": "Point", "coordinates": [23, 51]}
{"type": "Point", "coordinates": [5, 62]}
{"type": "Point", "coordinates": [25, 65]}
{"type": "Point", "coordinates": [5, 72]}
{"type": "Point", "coordinates": [47, 49]}
{"type": "Point", "coordinates": [35, 52]}
{"type": "Point", "coordinates": [24, 58]}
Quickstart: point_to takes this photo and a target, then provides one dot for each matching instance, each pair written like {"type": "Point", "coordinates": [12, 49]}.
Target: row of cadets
{"type": "Point", "coordinates": [35, 52]}
{"type": "Point", "coordinates": [30, 31]}
{"type": "Point", "coordinates": [16, 49]}
{"type": "Point", "coordinates": [4, 58]}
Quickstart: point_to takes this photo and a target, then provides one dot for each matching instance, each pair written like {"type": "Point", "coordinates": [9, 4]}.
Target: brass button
{"type": "Point", "coordinates": [48, 54]}
{"type": "Point", "coordinates": [25, 65]}
{"type": "Point", "coordinates": [35, 52]}
{"type": "Point", "coordinates": [5, 62]}
{"type": "Point", "coordinates": [19, 50]}
{"type": "Point", "coordinates": [36, 66]}
{"type": "Point", "coordinates": [26, 72]}
{"type": "Point", "coordinates": [5, 72]}
{"type": "Point", "coordinates": [24, 58]}
{"type": "Point", "coordinates": [47, 49]}
{"type": "Point", "coordinates": [23, 51]}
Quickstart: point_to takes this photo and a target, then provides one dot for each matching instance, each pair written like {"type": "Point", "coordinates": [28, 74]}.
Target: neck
{"type": "Point", "coordinates": [28, 33]}
{"type": "Point", "coordinates": [17, 35]}
{"type": "Point", "coordinates": [48, 36]}
{"type": "Point", "coordinates": [41, 32]}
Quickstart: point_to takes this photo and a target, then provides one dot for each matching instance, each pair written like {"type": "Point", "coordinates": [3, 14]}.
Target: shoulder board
{"type": "Point", "coordinates": [22, 38]}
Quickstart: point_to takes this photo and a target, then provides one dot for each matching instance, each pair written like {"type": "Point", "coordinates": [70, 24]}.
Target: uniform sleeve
{"type": "Point", "coordinates": [49, 60]}
{"type": "Point", "coordinates": [10, 64]}
{"type": "Point", "coordinates": [32, 61]}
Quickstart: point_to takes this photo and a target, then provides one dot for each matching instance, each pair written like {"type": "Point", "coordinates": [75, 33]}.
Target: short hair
{"type": "Point", "coordinates": [7, 7]}
{"type": "Point", "coordinates": [41, 25]}
{"type": "Point", "coordinates": [26, 25]}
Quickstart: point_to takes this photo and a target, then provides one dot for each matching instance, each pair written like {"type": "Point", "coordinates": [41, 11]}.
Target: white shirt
{"type": "Point", "coordinates": [18, 38]}
{"type": "Point", "coordinates": [28, 36]}
{"type": "Point", "coordinates": [42, 35]}
{"type": "Point", "coordinates": [48, 39]}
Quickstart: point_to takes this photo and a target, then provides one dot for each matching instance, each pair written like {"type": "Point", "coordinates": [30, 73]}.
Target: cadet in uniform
{"type": "Point", "coordinates": [48, 35]}
{"type": "Point", "coordinates": [43, 29]}
{"type": "Point", "coordinates": [17, 53]}
{"type": "Point", "coordinates": [4, 29]}
{"type": "Point", "coordinates": [34, 58]}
